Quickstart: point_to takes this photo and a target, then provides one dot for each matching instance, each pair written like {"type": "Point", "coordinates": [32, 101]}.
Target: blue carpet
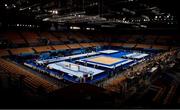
{"type": "Point", "coordinates": [119, 54]}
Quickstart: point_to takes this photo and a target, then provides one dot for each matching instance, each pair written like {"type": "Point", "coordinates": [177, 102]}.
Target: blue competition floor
{"type": "Point", "coordinates": [119, 54]}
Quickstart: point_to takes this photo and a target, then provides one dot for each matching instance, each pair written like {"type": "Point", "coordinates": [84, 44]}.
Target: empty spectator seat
{"type": "Point", "coordinates": [43, 49]}
{"type": "Point", "coordinates": [3, 52]}
{"type": "Point", "coordinates": [18, 51]}
{"type": "Point", "coordinates": [60, 47]}
{"type": "Point", "coordinates": [31, 38]}
{"type": "Point", "coordinates": [49, 37]}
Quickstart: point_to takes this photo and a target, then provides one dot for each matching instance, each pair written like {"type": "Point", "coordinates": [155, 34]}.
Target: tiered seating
{"type": "Point", "coordinates": [170, 94]}
{"type": "Point", "coordinates": [49, 37]}
{"type": "Point", "coordinates": [81, 38]}
{"type": "Point", "coordinates": [85, 45]}
{"type": "Point", "coordinates": [159, 93]}
{"type": "Point", "coordinates": [116, 44]}
{"type": "Point", "coordinates": [18, 51]}
{"type": "Point", "coordinates": [150, 39]}
{"type": "Point", "coordinates": [13, 37]}
{"type": "Point", "coordinates": [175, 47]}
{"type": "Point", "coordinates": [73, 36]}
{"type": "Point", "coordinates": [104, 43]}
{"type": "Point", "coordinates": [129, 45]}
{"type": "Point", "coordinates": [160, 47]}
{"type": "Point", "coordinates": [30, 80]}
{"type": "Point", "coordinates": [60, 47]}
{"type": "Point", "coordinates": [61, 36]}
{"type": "Point", "coordinates": [143, 46]}
{"type": "Point", "coordinates": [164, 39]}
{"type": "Point", "coordinates": [43, 49]}
{"type": "Point", "coordinates": [78, 37]}
{"type": "Point", "coordinates": [97, 38]}
{"type": "Point", "coordinates": [74, 46]}
{"type": "Point", "coordinates": [175, 41]}
{"type": "Point", "coordinates": [132, 39]}
{"type": "Point", "coordinates": [114, 84]}
{"type": "Point", "coordinates": [3, 52]}
{"type": "Point", "coordinates": [94, 44]}
{"type": "Point", "coordinates": [135, 38]}
{"type": "Point", "coordinates": [31, 38]}
{"type": "Point", "coordinates": [123, 38]}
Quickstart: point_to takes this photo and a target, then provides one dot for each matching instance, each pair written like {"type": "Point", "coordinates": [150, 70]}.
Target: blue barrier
{"type": "Point", "coordinates": [97, 78]}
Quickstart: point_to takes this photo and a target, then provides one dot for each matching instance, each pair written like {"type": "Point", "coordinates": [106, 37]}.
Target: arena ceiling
{"type": "Point", "coordinates": [110, 13]}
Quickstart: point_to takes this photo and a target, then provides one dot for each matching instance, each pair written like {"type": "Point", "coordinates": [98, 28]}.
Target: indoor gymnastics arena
{"type": "Point", "coordinates": [74, 54]}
